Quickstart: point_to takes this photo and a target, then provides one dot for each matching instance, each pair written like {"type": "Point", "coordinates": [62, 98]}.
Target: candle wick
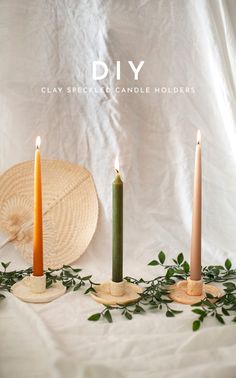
{"type": "Point", "coordinates": [116, 170]}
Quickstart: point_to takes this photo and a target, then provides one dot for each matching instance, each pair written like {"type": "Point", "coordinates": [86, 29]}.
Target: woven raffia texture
{"type": "Point", "coordinates": [70, 208]}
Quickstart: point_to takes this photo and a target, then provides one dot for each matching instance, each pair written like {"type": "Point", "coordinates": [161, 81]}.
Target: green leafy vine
{"type": "Point", "coordinates": [155, 294]}
{"type": "Point", "coordinates": [70, 277]}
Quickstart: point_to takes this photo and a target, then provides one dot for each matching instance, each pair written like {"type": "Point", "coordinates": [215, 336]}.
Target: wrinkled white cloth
{"type": "Point", "coordinates": [186, 43]}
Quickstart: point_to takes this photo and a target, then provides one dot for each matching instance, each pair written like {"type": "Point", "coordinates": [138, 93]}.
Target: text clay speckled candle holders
{"type": "Point", "coordinates": [33, 289]}
{"type": "Point", "coordinates": [190, 291]}
{"type": "Point", "coordinates": [112, 293]}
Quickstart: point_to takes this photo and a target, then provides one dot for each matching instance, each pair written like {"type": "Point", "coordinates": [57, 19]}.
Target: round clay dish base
{"type": "Point", "coordinates": [22, 291]}
{"type": "Point", "coordinates": [178, 293]}
{"type": "Point", "coordinates": [103, 294]}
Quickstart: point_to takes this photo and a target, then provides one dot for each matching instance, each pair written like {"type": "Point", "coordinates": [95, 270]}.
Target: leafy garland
{"type": "Point", "coordinates": [70, 277]}
{"type": "Point", "coordinates": [155, 294]}
{"type": "Point", "coordinates": [155, 291]}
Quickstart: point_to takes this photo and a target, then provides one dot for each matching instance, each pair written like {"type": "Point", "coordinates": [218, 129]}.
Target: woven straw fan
{"type": "Point", "coordinates": [70, 210]}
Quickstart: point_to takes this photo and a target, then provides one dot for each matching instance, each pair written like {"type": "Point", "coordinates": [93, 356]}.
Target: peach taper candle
{"type": "Point", "coordinates": [193, 289]}
{"type": "Point", "coordinates": [195, 261]}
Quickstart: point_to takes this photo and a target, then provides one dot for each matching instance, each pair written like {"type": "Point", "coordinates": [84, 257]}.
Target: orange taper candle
{"type": "Point", "coordinates": [38, 222]}
{"type": "Point", "coordinates": [195, 263]}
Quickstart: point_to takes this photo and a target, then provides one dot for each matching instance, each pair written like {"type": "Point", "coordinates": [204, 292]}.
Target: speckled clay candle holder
{"type": "Point", "coordinates": [33, 289]}
{"type": "Point", "coordinates": [112, 293]}
{"type": "Point", "coordinates": [190, 291]}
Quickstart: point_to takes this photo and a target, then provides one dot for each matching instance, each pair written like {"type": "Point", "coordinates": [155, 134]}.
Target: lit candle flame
{"type": "Point", "coordinates": [199, 137]}
{"type": "Point", "coordinates": [38, 142]}
{"type": "Point", "coordinates": [117, 164]}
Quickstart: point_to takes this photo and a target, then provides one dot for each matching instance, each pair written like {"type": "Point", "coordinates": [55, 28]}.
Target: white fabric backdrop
{"type": "Point", "coordinates": [183, 43]}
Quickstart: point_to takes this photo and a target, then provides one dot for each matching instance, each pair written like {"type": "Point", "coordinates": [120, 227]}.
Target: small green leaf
{"type": "Point", "coordinates": [169, 314]}
{"type": "Point", "coordinates": [198, 311]}
{"type": "Point", "coordinates": [128, 315]}
{"type": "Point", "coordinates": [77, 287]}
{"type": "Point", "coordinates": [228, 264]}
{"type": "Point", "coordinates": [67, 285]}
{"type": "Point", "coordinates": [224, 311]}
{"type": "Point", "coordinates": [206, 302]}
{"type": "Point", "coordinates": [179, 271]}
{"type": "Point", "coordinates": [209, 295]}
{"type": "Point", "coordinates": [220, 319]}
{"type": "Point", "coordinates": [186, 267]}
{"type": "Point", "coordinates": [167, 300]}
{"type": "Point", "coordinates": [89, 290]}
{"type": "Point", "coordinates": [234, 319]}
{"type": "Point", "coordinates": [141, 280]}
{"type": "Point", "coordinates": [180, 258]}
{"type": "Point", "coordinates": [197, 304]}
{"type": "Point", "coordinates": [170, 272]}
{"type": "Point", "coordinates": [107, 316]}
{"type": "Point", "coordinates": [176, 311]}
{"type": "Point", "coordinates": [153, 307]}
{"type": "Point", "coordinates": [230, 286]}
{"type": "Point", "coordinates": [161, 257]}
{"type": "Point", "coordinates": [169, 281]}
{"type": "Point", "coordinates": [201, 317]}
{"type": "Point", "coordinates": [86, 278]}
{"type": "Point", "coordinates": [5, 265]}
{"type": "Point", "coordinates": [196, 325]}
{"type": "Point", "coordinates": [68, 274]}
{"type": "Point", "coordinates": [2, 296]}
{"type": "Point", "coordinates": [48, 283]}
{"type": "Point", "coordinates": [138, 308]}
{"type": "Point", "coordinates": [220, 267]}
{"type": "Point", "coordinates": [216, 271]}
{"type": "Point", "coordinates": [94, 317]}
{"type": "Point", "coordinates": [153, 262]}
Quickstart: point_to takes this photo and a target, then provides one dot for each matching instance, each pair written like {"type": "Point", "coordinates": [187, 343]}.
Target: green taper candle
{"type": "Point", "coordinates": [117, 227]}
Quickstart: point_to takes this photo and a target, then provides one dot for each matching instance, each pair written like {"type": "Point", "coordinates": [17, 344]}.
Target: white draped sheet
{"type": "Point", "coordinates": [185, 43]}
